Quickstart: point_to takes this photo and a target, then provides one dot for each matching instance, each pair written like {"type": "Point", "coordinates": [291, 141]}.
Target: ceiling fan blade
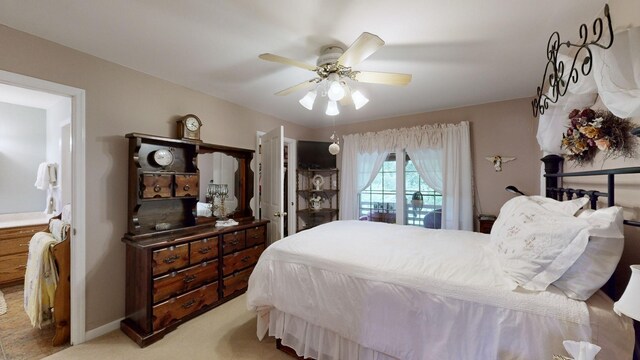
{"type": "Point", "coordinates": [383, 78]}
{"type": "Point", "coordinates": [365, 45]}
{"type": "Point", "coordinates": [303, 85]}
{"type": "Point", "coordinates": [286, 61]}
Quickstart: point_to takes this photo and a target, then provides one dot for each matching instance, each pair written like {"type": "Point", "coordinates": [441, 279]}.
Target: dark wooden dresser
{"type": "Point", "coordinates": [180, 265]}
{"type": "Point", "coordinates": [172, 278]}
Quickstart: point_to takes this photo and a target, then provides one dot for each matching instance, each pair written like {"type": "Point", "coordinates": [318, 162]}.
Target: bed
{"type": "Point", "coordinates": [362, 290]}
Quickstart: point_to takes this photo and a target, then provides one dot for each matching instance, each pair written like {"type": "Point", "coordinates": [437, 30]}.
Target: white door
{"type": "Point", "coordinates": [272, 199]}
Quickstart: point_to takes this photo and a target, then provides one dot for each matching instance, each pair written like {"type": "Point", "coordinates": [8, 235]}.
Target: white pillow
{"type": "Point", "coordinates": [535, 245]}
{"type": "Point", "coordinates": [599, 260]}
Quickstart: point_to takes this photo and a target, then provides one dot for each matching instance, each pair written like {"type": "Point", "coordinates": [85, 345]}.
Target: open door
{"type": "Point", "coordinates": [272, 199]}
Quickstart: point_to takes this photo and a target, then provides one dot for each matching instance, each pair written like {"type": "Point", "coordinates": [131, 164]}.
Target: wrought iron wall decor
{"type": "Point", "coordinates": [552, 80]}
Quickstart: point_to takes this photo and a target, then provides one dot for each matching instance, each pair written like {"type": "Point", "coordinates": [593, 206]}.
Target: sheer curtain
{"type": "Point", "coordinates": [359, 168]}
{"type": "Point", "coordinates": [441, 154]}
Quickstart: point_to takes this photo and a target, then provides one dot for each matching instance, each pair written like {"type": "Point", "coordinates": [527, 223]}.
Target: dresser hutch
{"type": "Point", "coordinates": [178, 264]}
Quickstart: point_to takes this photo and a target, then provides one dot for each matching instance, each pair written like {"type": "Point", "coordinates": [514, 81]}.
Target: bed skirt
{"type": "Point", "coordinates": [312, 341]}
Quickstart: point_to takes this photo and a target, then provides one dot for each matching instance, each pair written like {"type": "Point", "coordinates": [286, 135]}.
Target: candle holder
{"type": "Point", "coordinates": [220, 192]}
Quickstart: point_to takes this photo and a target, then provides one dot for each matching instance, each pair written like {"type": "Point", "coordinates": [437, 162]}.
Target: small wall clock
{"type": "Point", "coordinates": [163, 157]}
{"type": "Point", "coordinates": [189, 127]}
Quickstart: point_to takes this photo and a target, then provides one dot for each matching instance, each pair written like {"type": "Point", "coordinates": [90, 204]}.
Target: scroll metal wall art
{"type": "Point", "coordinates": [554, 84]}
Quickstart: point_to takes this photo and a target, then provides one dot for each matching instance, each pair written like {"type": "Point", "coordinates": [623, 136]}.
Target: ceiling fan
{"type": "Point", "coordinates": [335, 65]}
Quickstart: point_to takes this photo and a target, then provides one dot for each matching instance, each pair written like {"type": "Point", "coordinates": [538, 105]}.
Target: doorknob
{"type": "Point", "coordinates": [279, 214]}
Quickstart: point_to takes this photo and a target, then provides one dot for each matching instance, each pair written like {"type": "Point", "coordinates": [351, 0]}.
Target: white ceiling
{"type": "Point", "coordinates": [460, 52]}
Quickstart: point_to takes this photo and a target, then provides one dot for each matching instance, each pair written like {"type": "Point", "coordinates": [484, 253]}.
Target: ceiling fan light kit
{"type": "Point", "coordinates": [308, 100]}
{"type": "Point", "coordinates": [332, 108]}
{"type": "Point", "coordinates": [359, 100]}
{"type": "Point", "coordinates": [335, 66]}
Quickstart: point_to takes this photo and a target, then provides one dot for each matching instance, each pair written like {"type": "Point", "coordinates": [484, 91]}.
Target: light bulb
{"type": "Point", "coordinates": [332, 108]}
{"type": "Point", "coordinates": [308, 100]}
{"type": "Point", "coordinates": [359, 100]}
{"type": "Point", "coordinates": [334, 149]}
{"type": "Point", "coordinates": [336, 91]}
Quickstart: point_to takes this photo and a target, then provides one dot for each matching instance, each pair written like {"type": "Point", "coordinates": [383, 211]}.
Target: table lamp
{"type": "Point", "coordinates": [629, 303]}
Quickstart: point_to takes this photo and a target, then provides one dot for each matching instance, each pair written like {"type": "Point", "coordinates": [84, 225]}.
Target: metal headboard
{"type": "Point", "coordinates": [552, 174]}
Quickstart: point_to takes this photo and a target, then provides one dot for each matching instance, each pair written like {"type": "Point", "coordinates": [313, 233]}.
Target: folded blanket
{"type": "Point", "coordinates": [41, 279]}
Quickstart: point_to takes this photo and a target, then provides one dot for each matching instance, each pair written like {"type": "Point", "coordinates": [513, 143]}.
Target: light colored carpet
{"type": "Point", "coordinates": [227, 332]}
{"type": "Point", "coordinates": [3, 304]}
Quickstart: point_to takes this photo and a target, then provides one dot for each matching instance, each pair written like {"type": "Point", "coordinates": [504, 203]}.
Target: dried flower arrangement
{"type": "Point", "coordinates": [593, 130]}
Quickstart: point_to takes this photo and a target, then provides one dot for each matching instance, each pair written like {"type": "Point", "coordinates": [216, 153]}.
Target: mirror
{"type": "Point", "coordinates": [225, 165]}
{"type": "Point", "coordinates": [220, 169]}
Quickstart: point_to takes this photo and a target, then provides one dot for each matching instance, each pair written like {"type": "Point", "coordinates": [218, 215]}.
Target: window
{"type": "Point", "coordinates": [427, 213]}
{"type": "Point", "coordinates": [383, 200]}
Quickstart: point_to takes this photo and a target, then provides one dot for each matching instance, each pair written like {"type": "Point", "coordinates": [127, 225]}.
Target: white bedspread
{"type": "Point", "coordinates": [415, 293]}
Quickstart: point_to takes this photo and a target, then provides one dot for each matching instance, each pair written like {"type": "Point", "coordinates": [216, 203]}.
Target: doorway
{"type": "Point", "coordinates": [75, 132]}
{"type": "Point", "coordinates": [289, 161]}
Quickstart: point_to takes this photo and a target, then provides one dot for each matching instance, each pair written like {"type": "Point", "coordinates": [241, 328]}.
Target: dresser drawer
{"type": "Point", "coordinates": [155, 186]}
{"type": "Point", "coordinates": [12, 267]}
{"type": "Point", "coordinates": [169, 259]}
{"type": "Point", "coordinates": [205, 249]}
{"type": "Point", "coordinates": [16, 245]}
{"type": "Point", "coordinates": [182, 281]}
{"type": "Point", "coordinates": [187, 185]}
{"type": "Point", "coordinates": [236, 283]}
{"type": "Point", "coordinates": [233, 242]}
{"type": "Point", "coordinates": [176, 308]}
{"type": "Point", "coordinates": [241, 259]}
{"type": "Point", "coordinates": [255, 236]}
{"type": "Point", "coordinates": [21, 232]}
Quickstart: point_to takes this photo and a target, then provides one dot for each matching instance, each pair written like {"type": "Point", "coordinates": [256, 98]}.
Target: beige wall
{"type": "Point", "coordinates": [504, 128]}
{"type": "Point", "coordinates": [119, 101]}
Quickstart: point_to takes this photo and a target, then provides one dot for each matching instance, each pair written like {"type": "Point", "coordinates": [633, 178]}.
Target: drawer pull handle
{"type": "Point", "coordinates": [21, 267]}
{"type": "Point", "coordinates": [171, 259]}
{"type": "Point", "coordinates": [157, 188]}
{"type": "Point", "coordinates": [234, 242]}
{"type": "Point", "coordinates": [189, 303]}
{"type": "Point", "coordinates": [23, 245]}
{"type": "Point", "coordinates": [189, 278]}
{"type": "Point", "coordinates": [245, 259]}
{"type": "Point", "coordinates": [186, 188]}
{"type": "Point", "coordinates": [204, 250]}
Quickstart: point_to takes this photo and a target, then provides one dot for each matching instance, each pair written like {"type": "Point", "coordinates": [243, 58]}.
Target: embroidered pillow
{"type": "Point", "coordinates": [599, 260]}
{"type": "Point", "coordinates": [535, 245]}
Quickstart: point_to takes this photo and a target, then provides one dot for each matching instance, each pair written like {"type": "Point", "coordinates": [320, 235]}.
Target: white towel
{"type": "Point", "coordinates": [42, 177]}
{"type": "Point", "coordinates": [52, 172]}
{"type": "Point", "coordinates": [58, 229]}
{"type": "Point", "coordinates": [53, 200]}
{"type": "Point", "coordinates": [40, 279]}
{"type": "Point", "coordinates": [66, 213]}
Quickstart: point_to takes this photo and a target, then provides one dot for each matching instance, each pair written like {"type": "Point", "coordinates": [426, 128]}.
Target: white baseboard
{"type": "Point", "coordinates": [104, 329]}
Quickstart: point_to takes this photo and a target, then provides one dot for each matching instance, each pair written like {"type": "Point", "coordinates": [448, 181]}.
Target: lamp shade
{"type": "Point", "coordinates": [629, 303]}
{"type": "Point", "coordinates": [336, 91]}
{"type": "Point", "coordinates": [332, 108]}
{"type": "Point", "coordinates": [359, 100]}
{"type": "Point", "coordinates": [308, 100]}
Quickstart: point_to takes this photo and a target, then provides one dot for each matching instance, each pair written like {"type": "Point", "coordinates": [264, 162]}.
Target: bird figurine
{"type": "Point", "coordinates": [498, 160]}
